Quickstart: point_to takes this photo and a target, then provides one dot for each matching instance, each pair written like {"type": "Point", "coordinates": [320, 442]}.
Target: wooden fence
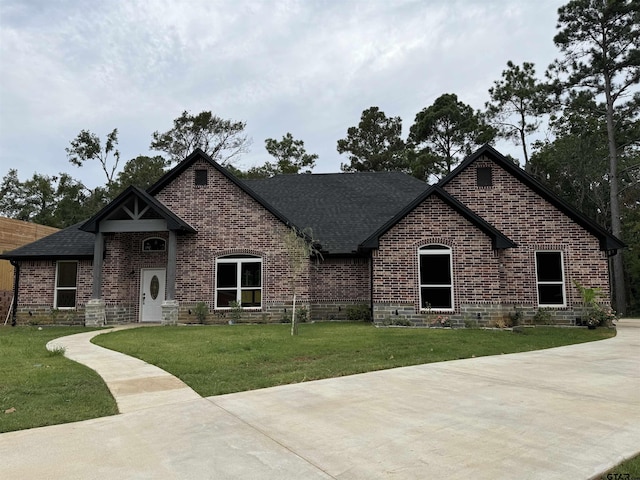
{"type": "Point", "coordinates": [14, 234]}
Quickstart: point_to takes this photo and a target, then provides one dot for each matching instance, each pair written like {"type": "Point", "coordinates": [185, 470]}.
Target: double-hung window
{"type": "Point", "coordinates": [436, 277]}
{"type": "Point", "coordinates": [550, 279]}
{"type": "Point", "coordinates": [239, 279]}
{"type": "Point", "coordinates": [66, 284]}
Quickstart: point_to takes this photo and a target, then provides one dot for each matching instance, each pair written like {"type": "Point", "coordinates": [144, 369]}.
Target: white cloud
{"type": "Point", "coordinates": [308, 67]}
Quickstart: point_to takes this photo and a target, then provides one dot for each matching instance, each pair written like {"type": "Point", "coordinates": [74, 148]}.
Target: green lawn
{"type": "Point", "coordinates": [40, 388]}
{"type": "Point", "coordinates": [627, 470]}
{"type": "Point", "coordinates": [226, 359]}
{"type": "Point", "coordinates": [43, 387]}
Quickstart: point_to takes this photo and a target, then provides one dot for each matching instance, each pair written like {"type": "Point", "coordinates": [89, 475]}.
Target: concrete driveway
{"type": "Point", "coordinates": [568, 412]}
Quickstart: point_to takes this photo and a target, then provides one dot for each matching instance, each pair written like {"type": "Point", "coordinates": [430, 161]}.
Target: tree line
{"type": "Point", "coordinates": [586, 102]}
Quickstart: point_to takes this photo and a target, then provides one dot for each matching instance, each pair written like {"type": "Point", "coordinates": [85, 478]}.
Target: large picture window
{"type": "Point", "coordinates": [239, 279]}
{"type": "Point", "coordinates": [66, 285]}
{"type": "Point", "coordinates": [436, 277]}
{"type": "Point", "coordinates": [550, 279]}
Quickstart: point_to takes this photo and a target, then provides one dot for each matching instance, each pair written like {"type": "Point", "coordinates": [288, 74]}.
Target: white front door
{"type": "Point", "coordinates": [152, 290]}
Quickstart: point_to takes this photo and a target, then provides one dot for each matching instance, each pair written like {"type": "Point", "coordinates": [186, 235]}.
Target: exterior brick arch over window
{"type": "Point", "coordinates": [238, 279]}
{"type": "Point", "coordinates": [154, 244]}
{"type": "Point", "coordinates": [436, 277]}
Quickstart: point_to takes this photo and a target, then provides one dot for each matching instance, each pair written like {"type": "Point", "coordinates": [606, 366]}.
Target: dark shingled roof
{"type": "Point", "coordinates": [71, 243]}
{"type": "Point", "coordinates": [342, 209]}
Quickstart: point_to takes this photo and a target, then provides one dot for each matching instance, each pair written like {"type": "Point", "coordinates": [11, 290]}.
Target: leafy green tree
{"type": "Point", "coordinates": [141, 172]}
{"type": "Point", "coordinates": [518, 102]}
{"type": "Point", "coordinates": [574, 164]}
{"type": "Point", "coordinates": [599, 41]}
{"type": "Point", "coordinates": [290, 155]}
{"type": "Point", "coordinates": [222, 140]}
{"type": "Point", "coordinates": [445, 132]}
{"type": "Point", "coordinates": [375, 144]}
{"type": "Point", "coordinates": [56, 201]}
{"type": "Point", "coordinates": [87, 146]}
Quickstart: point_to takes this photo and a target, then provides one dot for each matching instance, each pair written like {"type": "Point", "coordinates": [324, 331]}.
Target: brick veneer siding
{"type": "Point", "coordinates": [229, 222]}
{"type": "Point", "coordinates": [534, 224]}
{"type": "Point", "coordinates": [37, 283]}
{"type": "Point", "coordinates": [476, 267]}
{"type": "Point", "coordinates": [338, 283]}
{"type": "Point", "coordinates": [488, 285]}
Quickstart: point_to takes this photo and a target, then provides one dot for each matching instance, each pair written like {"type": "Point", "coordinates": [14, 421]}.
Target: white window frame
{"type": "Point", "coordinates": [57, 288]}
{"type": "Point", "coordinates": [238, 261]}
{"type": "Point", "coordinates": [555, 282]}
{"type": "Point", "coordinates": [444, 250]}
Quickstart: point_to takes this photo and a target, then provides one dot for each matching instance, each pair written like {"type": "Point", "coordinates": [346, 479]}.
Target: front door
{"type": "Point", "coordinates": [152, 290]}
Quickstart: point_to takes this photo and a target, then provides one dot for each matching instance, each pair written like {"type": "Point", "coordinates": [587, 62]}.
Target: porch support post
{"type": "Point", "coordinates": [95, 314]}
{"type": "Point", "coordinates": [98, 251]}
{"type": "Point", "coordinates": [171, 265]}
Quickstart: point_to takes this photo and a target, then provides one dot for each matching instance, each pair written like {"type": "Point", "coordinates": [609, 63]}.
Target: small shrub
{"type": "Point", "coordinates": [515, 317]}
{"type": "Point", "coordinates": [302, 315]}
{"type": "Point", "coordinates": [500, 323]}
{"type": "Point", "coordinates": [201, 311]}
{"type": "Point", "coordinates": [468, 323]}
{"type": "Point", "coordinates": [441, 321]}
{"type": "Point", "coordinates": [236, 311]}
{"type": "Point", "coordinates": [402, 322]}
{"type": "Point", "coordinates": [359, 313]}
{"type": "Point", "coordinates": [542, 317]}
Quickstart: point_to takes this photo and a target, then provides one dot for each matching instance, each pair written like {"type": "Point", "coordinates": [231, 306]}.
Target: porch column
{"type": "Point", "coordinates": [95, 314]}
{"type": "Point", "coordinates": [98, 251]}
{"type": "Point", "coordinates": [171, 265]}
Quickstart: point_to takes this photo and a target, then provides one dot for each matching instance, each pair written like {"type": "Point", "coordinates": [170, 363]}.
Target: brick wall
{"type": "Point", "coordinates": [488, 284]}
{"type": "Point", "coordinates": [228, 222]}
{"type": "Point", "coordinates": [534, 224]}
{"type": "Point", "coordinates": [396, 281]}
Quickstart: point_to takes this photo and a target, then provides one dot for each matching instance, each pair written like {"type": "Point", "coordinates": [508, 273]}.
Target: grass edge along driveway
{"type": "Point", "coordinates": [215, 360]}
{"type": "Point", "coordinates": [39, 388]}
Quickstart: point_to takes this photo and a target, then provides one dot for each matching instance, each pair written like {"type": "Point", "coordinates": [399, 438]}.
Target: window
{"type": "Point", "coordinates": [550, 279]}
{"type": "Point", "coordinates": [239, 279]}
{"type": "Point", "coordinates": [436, 277]}
{"type": "Point", "coordinates": [154, 245]}
{"type": "Point", "coordinates": [484, 177]}
{"type": "Point", "coordinates": [201, 177]}
{"type": "Point", "coordinates": [66, 285]}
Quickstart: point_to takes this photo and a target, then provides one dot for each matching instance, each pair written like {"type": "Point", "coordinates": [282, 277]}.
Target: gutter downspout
{"type": "Point", "coordinates": [16, 288]}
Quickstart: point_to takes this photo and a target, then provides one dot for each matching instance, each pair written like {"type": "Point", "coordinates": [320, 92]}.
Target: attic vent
{"type": "Point", "coordinates": [201, 177]}
{"type": "Point", "coordinates": [484, 177]}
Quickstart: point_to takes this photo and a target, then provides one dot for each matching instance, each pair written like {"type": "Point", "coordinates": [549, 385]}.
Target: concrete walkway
{"type": "Point", "coordinates": [568, 412]}
{"type": "Point", "coordinates": [134, 384]}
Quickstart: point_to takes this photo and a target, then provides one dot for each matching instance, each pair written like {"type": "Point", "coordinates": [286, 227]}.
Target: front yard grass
{"type": "Point", "coordinates": [40, 388]}
{"type": "Point", "coordinates": [227, 359]}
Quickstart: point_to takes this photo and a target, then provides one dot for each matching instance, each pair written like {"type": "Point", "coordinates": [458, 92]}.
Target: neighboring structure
{"type": "Point", "coordinates": [14, 234]}
{"type": "Point", "coordinates": [484, 241]}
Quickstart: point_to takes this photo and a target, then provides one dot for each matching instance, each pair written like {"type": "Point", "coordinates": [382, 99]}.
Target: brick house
{"type": "Point", "coordinates": [485, 240]}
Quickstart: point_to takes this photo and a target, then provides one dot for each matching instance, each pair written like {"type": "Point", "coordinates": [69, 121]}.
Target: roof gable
{"type": "Point", "coordinates": [607, 241]}
{"type": "Point", "coordinates": [498, 239]}
{"type": "Point", "coordinates": [198, 154]}
{"type": "Point", "coordinates": [137, 207]}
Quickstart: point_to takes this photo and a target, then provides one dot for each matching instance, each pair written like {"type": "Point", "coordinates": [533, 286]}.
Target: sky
{"type": "Point", "coordinates": [308, 67]}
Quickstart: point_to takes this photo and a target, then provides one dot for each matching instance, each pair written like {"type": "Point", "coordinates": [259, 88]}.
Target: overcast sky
{"type": "Point", "coordinates": [307, 67]}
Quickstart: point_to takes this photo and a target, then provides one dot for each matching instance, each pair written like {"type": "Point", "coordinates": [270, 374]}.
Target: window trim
{"type": "Point", "coordinates": [56, 288]}
{"type": "Point", "coordinates": [428, 250]}
{"type": "Point", "coordinates": [164, 242]}
{"type": "Point", "coordinates": [238, 259]}
{"type": "Point", "coordinates": [555, 282]}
